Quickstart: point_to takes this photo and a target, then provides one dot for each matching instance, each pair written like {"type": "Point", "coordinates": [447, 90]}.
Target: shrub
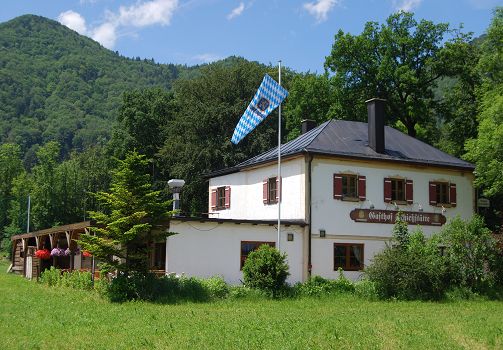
{"type": "Point", "coordinates": [366, 289]}
{"type": "Point", "coordinates": [319, 286]}
{"type": "Point", "coordinates": [472, 253]}
{"type": "Point", "coordinates": [165, 289]}
{"type": "Point", "coordinates": [266, 269]}
{"type": "Point", "coordinates": [216, 286]}
{"type": "Point", "coordinates": [414, 269]}
{"type": "Point", "coordinates": [51, 276]}
{"type": "Point", "coordinates": [75, 279]}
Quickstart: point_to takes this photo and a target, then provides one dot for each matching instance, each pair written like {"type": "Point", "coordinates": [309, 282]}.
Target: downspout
{"type": "Point", "coordinates": [309, 166]}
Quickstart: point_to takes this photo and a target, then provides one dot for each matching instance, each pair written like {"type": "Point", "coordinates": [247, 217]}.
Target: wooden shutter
{"type": "Point", "coordinates": [387, 190]}
{"type": "Point", "coordinates": [265, 192]}
{"type": "Point", "coordinates": [214, 199]}
{"type": "Point", "coordinates": [433, 193]}
{"type": "Point", "coordinates": [227, 197]}
{"type": "Point", "coordinates": [362, 183]}
{"type": "Point", "coordinates": [409, 191]}
{"type": "Point", "coordinates": [337, 186]}
{"type": "Point", "coordinates": [278, 188]}
{"type": "Point", "coordinates": [452, 194]}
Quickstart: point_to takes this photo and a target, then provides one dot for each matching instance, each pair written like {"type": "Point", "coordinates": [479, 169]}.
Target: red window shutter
{"type": "Point", "coordinates": [433, 193]}
{"type": "Point", "coordinates": [387, 190]}
{"type": "Point", "coordinates": [227, 197]}
{"type": "Point", "coordinates": [213, 199]}
{"type": "Point", "coordinates": [362, 184]}
{"type": "Point", "coordinates": [409, 191]}
{"type": "Point", "coordinates": [337, 186]}
{"type": "Point", "coordinates": [452, 195]}
{"type": "Point", "coordinates": [265, 192]}
{"type": "Point", "coordinates": [278, 188]}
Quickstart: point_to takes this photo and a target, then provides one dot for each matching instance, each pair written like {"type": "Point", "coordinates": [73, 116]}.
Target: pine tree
{"type": "Point", "coordinates": [126, 224]}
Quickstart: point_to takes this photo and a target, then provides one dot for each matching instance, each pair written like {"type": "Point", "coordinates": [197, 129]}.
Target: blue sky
{"type": "Point", "coordinates": [299, 32]}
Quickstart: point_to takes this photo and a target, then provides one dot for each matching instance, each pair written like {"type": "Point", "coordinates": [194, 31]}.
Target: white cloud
{"type": "Point", "coordinates": [206, 58]}
{"type": "Point", "coordinates": [320, 9]}
{"type": "Point", "coordinates": [147, 13]}
{"type": "Point", "coordinates": [236, 11]}
{"type": "Point", "coordinates": [141, 14]}
{"type": "Point", "coordinates": [406, 5]}
{"type": "Point", "coordinates": [73, 20]}
{"type": "Point", "coordinates": [105, 34]}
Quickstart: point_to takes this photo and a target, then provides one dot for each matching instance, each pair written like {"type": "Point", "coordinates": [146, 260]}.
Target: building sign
{"type": "Point", "coordinates": [389, 217]}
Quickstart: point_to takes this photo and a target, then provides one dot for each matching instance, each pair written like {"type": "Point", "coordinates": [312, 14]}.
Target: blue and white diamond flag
{"type": "Point", "coordinates": [268, 97]}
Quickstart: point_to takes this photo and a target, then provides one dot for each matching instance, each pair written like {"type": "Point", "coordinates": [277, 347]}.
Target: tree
{"type": "Point", "coordinates": [44, 191]}
{"type": "Point", "coordinates": [125, 225]}
{"type": "Point", "coordinates": [486, 150]}
{"type": "Point", "coordinates": [400, 231]}
{"type": "Point", "coordinates": [11, 166]}
{"type": "Point", "coordinates": [310, 97]}
{"type": "Point", "coordinates": [400, 61]}
{"type": "Point", "coordinates": [209, 107]}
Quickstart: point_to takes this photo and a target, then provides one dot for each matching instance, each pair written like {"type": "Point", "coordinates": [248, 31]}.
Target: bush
{"type": "Point", "coordinates": [166, 289]}
{"type": "Point", "coordinates": [216, 287]}
{"type": "Point", "coordinates": [75, 279]}
{"type": "Point", "coordinates": [472, 253]}
{"type": "Point", "coordinates": [319, 286]}
{"type": "Point", "coordinates": [366, 289]}
{"type": "Point", "coordinates": [266, 269]}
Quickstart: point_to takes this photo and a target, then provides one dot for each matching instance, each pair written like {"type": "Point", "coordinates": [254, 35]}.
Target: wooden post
{"type": "Point", "coordinates": [69, 241]}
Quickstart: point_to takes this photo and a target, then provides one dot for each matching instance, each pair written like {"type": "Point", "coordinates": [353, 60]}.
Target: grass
{"type": "Point", "coordinates": [38, 317]}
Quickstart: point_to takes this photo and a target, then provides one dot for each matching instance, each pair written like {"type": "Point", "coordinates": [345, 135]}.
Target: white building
{"type": "Point", "coordinates": [342, 184]}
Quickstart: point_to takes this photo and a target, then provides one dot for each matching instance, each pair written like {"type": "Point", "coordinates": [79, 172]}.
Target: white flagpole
{"type": "Point", "coordinates": [279, 162]}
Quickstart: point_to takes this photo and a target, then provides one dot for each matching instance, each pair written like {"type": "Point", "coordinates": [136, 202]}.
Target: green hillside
{"type": "Point", "coordinates": [58, 85]}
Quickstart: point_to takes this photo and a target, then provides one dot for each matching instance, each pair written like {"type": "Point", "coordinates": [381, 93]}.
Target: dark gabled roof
{"type": "Point", "coordinates": [350, 139]}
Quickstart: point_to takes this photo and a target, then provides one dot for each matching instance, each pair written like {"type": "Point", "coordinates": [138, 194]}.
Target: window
{"type": "Point", "coordinates": [349, 187]}
{"type": "Point", "coordinates": [397, 190]}
{"type": "Point", "coordinates": [442, 193]}
{"type": "Point", "coordinates": [221, 198]}
{"type": "Point", "coordinates": [249, 246]}
{"type": "Point", "coordinates": [271, 190]}
{"type": "Point", "coordinates": [400, 191]}
{"type": "Point", "coordinates": [348, 256]}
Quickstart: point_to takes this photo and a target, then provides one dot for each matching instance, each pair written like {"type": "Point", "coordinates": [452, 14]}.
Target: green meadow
{"type": "Point", "coordinates": [34, 316]}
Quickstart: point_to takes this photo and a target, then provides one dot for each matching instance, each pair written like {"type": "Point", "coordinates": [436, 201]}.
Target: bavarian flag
{"type": "Point", "coordinates": [268, 97]}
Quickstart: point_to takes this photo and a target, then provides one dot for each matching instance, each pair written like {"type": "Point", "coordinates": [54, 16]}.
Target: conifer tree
{"type": "Point", "coordinates": [126, 224]}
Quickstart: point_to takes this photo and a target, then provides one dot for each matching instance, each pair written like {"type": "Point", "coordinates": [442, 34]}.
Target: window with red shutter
{"type": "Point", "coordinates": [265, 191]}
{"type": "Point", "coordinates": [452, 196]}
{"type": "Point", "coordinates": [409, 192]}
{"type": "Point", "coordinates": [433, 193]}
{"type": "Point", "coordinates": [271, 190]}
{"type": "Point", "coordinates": [227, 197]}
{"type": "Point", "coordinates": [387, 190]}
{"type": "Point", "coordinates": [362, 183]}
{"type": "Point", "coordinates": [213, 199]}
{"type": "Point", "coordinates": [337, 186]}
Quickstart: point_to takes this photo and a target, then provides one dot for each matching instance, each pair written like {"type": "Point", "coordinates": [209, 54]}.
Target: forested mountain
{"type": "Point", "coordinates": [58, 85]}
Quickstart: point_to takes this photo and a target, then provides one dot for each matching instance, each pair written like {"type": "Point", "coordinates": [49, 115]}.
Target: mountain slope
{"type": "Point", "coordinates": [58, 85]}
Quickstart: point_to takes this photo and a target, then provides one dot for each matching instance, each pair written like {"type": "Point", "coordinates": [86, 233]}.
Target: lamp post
{"type": "Point", "coordinates": [176, 186]}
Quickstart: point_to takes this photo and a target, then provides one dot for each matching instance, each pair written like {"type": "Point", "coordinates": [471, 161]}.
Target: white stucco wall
{"type": "Point", "coordinates": [333, 215]}
{"type": "Point", "coordinates": [205, 249]}
{"type": "Point", "coordinates": [247, 194]}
